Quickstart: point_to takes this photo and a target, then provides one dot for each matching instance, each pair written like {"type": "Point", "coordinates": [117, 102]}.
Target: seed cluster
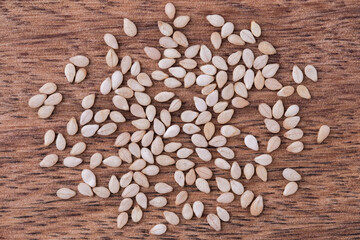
{"type": "Point", "coordinates": [144, 151]}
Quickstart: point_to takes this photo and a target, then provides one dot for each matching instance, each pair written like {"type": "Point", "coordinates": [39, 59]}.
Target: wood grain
{"type": "Point", "coordinates": [38, 37]}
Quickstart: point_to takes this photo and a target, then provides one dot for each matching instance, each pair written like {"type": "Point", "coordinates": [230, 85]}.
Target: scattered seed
{"type": "Point", "coordinates": [257, 206]}
{"type": "Point", "coordinates": [88, 177]}
{"type": "Point", "coordinates": [291, 175]}
{"type": "Point", "coordinates": [163, 188]}
{"type": "Point", "coordinates": [311, 72]}
{"type": "Point", "coordinates": [65, 193]}
{"type": "Point", "coordinates": [223, 214]}
{"type": "Point", "coordinates": [45, 111]}
{"type": "Point", "coordinates": [266, 48]}
{"type": "Point", "coordinates": [323, 133]}
{"type": "Point", "coordinates": [303, 92]}
{"type": "Point", "coordinates": [249, 171]}
{"type": "Point", "coordinates": [290, 188]}
{"type": "Point", "coordinates": [214, 221]}
{"type": "Point", "coordinates": [111, 41]}
{"type": "Point", "coordinates": [70, 72]}
{"type": "Point", "coordinates": [294, 134]}
{"type": "Point", "coordinates": [85, 190]}
{"type": "Point", "coordinates": [122, 219]}
{"type": "Point", "coordinates": [171, 217]}
{"type": "Point", "coordinates": [181, 197]}
{"type": "Point", "coordinates": [170, 10]}
{"type": "Point", "coordinates": [49, 137]}
{"type": "Point", "coordinates": [158, 229]}
{"type": "Point", "coordinates": [181, 21]}
{"type": "Point", "coordinates": [247, 36]}
{"type": "Point", "coordinates": [60, 142]}
{"type": "Point", "coordinates": [49, 160]}
{"type": "Point", "coordinates": [129, 28]}
{"type": "Point", "coordinates": [79, 61]}
{"type": "Point", "coordinates": [255, 29]}
{"type": "Point", "coordinates": [246, 198]}
{"type": "Point", "coordinates": [297, 74]}
{"type": "Point", "coordinates": [158, 202]}
{"type": "Point", "coordinates": [227, 197]}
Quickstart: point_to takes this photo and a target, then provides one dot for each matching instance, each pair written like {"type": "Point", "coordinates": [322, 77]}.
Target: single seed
{"type": "Point", "coordinates": [179, 178]}
{"type": "Point", "coordinates": [122, 219]}
{"type": "Point", "coordinates": [152, 53]}
{"type": "Point", "coordinates": [135, 68]}
{"type": "Point", "coordinates": [79, 61]}
{"type": "Point", "coordinates": [125, 204]}
{"type": "Point", "coordinates": [163, 188]}
{"type": "Point", "coordinates": [236, 187]}
{"type": "Point", "coordinates": [72, 161]}
{"type": "Point", "coordinates": [260, 61]}
{"type": "Point", "coordinates": [136, 214]}
{"type": "Point", "coordinates": [107, 129]}
{"type": "Point", "coordinates": [295, 147]}
{"type": "Point", "coordinates": [239, 102]}
{"type": "Point", "coordinates": [120, 102]}
{"type": "Point", "coordinates": [105, 86]}
{"type": "Point", "coordinates": [72, 127]}
{"type": "Point", "coordinates": [112, 161]}
{"type": "Point", "coordinates": [80, 75]}
{"type": "Point", "coordinates": [234, 58]}
{"type": "Point", "coordinates": [273, 144]}
{"type": "Point", "coordinates": [216, 40]}
{"type": "Point", "coordinates": [95, 160]}
{"type": "Point", "coordinates": [273, 84]}
{"type": "Point", "coordinates": [251, 142]}
{"type": "Point", "coordinates": [171, 217]}
{"type": "Point", "coordinates": [248, 57]}
{"type": "Point", "coordinates": [227, 197]}
{"type": "Point", "coordinates": [236, 40]}
{"type": "Point", "coordinates": [223, 214]}
{"type": "Point", "coordinates": [181, 197]}
{"type": "Point", "coordinates": [222, 184]}
{"type": "Point", "coordinates": [181, 21]}
{"type": "Point", "coordinates": [291, 122]}
{"type": "Point", "coordinates": [158, 202]}
{"type": "Point", "coordinates": [205, 54]}
{"type": "Point", "coordinates": [187, 211]}
{"type": "Point", "coordinates": [102, 192]}
{"type": "Point", "coordinates": [85, 190]}
{"type": "Point", "coordinates": [294, 134]}
{"type": "Point", "coordinates": [88, 101]}
{"type": "Point", "coordinates": [255, 29]}
{"type": "Point", "coordinates": [202, 185]}
{"type": "Point", "coordinates": [158, 229]}
{"type": "Point", "coordinates": [141, 199]}
{"type": "Point", "coordinates": [89, 130]}
{"type": "Point", "coordinates": [240, 89]}
{"type": "Point", "coordinates": [49, 160]}
{"type": "Point", "coordinates": [180, 39]}
{"type": "Point", "coordinates": [238, 73]}
{"type": "Point", "coordinates": [170, 10]}
{"type": "Point", "coordinates": [246, 198]}
{"type": "Point", "coordinates": [164, 96]}
{"type": "Point", "coordinates": [209, 130]}
{"type": "Point", "coordinates": [291, 175]}
{"type": "Point", "coordinates": [227, 29]}
{"type": "Point", "coordinates": [323, 133]}
{"type": "Point", "coordinates": [257, 206]}
{"type": "Point", "coordinates": [129, 28]}
{"type": "Point", "coordinates": [272, 125]}
{"type": "Point", "coordinates": [297, 74]}
{"type": "Point", "coordinates": [235, 171]}
{"type": "Point", "coordinates": [88, 177]}
{"type": "Point", "coordinates": [125, 64]}
{"type": "Point", "coordinates": [65, 193]}
{"type": "Point", "coordinates": [218, 141]}
{"type": "Point", "coordinates": [165, 28]}
{"type": "Point", "coordinates": [45, 111]}
{"type": "Point", "coordinates": [70, 72]}
{"type": "Point", "coordinates": [249, 171]}
{"type": "Point", "coordinates": [278, 109]}
{"type": "Point", "coordinates": [303, 92]}
{"type": "Point", "coordinates": [261, 172]}
{"type": "Point", "coordinates": [111, 58]}
{"type": "Point", "coordinates": [247, 36]}
{"type": "Point", "coordinates": [266, 48]}
{"type": "Point", "coordinates": [130, 191]}
{"type": "Point", "coordinates": [60, 142]}
{"type": "Point", "coordinates": [270, 70]}
{"type": "Point", "coordinates": [192, 51]}
{"type": "Point", "coordinates": [125, 181]}
{"type": "Point", "coordinates": [214, 221]}
{"type": "Point", "coordinates": [290, 188]}
{"type": "Point", "coordinates": [292, 111]}
{"type": "Point", "coordinates": [49, 137]}
{"type": "Point", "coordinates": [215, 20]}
{"type": "Point", "coordinates": [203, 154]}
{"type": "Point", "coordinates": [222, 164]}
{"type": "Point", "coordinates": [225, 116]}
{"type": "Point", "coordinates": [78, 148]}
{"type": "Point", "coordinates": [311, 72]}
{"type": "Point", "coordinates": [111, 41]}
{"type": "Point", "coordinates": [286, 91]}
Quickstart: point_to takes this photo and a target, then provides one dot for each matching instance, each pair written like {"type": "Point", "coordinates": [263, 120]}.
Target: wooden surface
{"type": "Point", "coordinates": [38, 37]}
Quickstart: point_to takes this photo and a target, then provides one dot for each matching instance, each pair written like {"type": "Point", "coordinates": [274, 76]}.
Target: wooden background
{"type": "Point", "coordinates": [38, 37]}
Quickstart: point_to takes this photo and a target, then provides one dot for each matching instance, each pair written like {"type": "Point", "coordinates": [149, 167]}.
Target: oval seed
{"type": "Point", "coordinates": [37, 100]}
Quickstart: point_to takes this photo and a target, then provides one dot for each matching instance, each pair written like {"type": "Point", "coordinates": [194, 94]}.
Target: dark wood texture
{"type": "Point", "coordinates": [38, 37]}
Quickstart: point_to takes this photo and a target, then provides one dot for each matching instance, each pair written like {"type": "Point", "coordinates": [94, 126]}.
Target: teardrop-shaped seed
{"type": "Point", "coordinates": [65, 193]}
{"type": "Point", "coordinates": [78, 148]}
{"type": "Point", "coordinates": [171, 218]}
{"type": "Point", "coordinates": [257, 206]}
{"type": "Point", "coordinates": [95, 160]}
{"type": "Point", "coordinates": [88, 177]}
{"type": "Point", "coordinates": [273, 144]}
{"type": "Point", "coordinates": [122, 219]}
{"type": "Point", "coordinates": [129, 28]}
{"type": "Point", "coordinates": [294, 134]}
{"type": "Point", "coordinates": [181, 21]}
{"type": "Point", "coordinates": [60, 142]}
{"type": "Point", "coordinates": [270, 70]}
{"type": "Point", "coordinates": [111, 58]}
{"type": "Point", "coordinates": [158, 229]}
{"type": "Point", "coordinates": [236, 187]}
{"type": "Point", "coordinates": [297, 74]}
{"type": "Point", "coordinates": [227, 197]}
{"type": "Point", "coordinates": [222, 214]}
{"type": "Point", "coordinates": [246, 198]}
{"type": "Point", "coordinates": [214, 221]}
{"type": "Point", "coordinates": [249, 171]}
{"type": "Point", "coordinates": [79, 61]}
{"type": "Point", "coordinates": [216, 40]}
{"type": "Point", "coordinates": [235, 171]}
{"type": "Point", "coordinates": [323, 133]}
{"type": "Point", "coordinates": [49, 137]}
{"type": "Point", "coordinates": [251, 142]}
{"type": "Point", "coordinates": [45, 111]}
{"type": "Point", "coordinates": [72, 127]}
{"type": "Point", "coordinates": [181, 197]}
{"type": "Point", "coordinates": [111, 41]}
{"type": "Point", "coordinates": [70, 72]}
{"type": "Point", "coordinates": [261, 172]}
{"type": "Point", "coordinates": [205, 54]}
{"type": "Point", "coordinates": [187, 211]}
{"type": "Point", "coordinates": [163, 188]}
{"type": "Point", "coordinates": [278, 109]}
{"type": "Point", "coordinates": [292, 111]}
{"type": "Point", "coordinates": [114, 185]}
{"type": "Point", "coordinates": [49, 160]}
{"type": "Point", "coordinates": [255, 29]}
{"type": "Point", "coordinates": [85, 190]}
{"type": "Point", "coordinates": [215, 20]}
{"type": "Point", "coordinates": [266, 48]}
{"type": "Point", "coordinates": [291, 175]}
{"type": "Point", "coordinates": [247, 36]}
{"type": "Point", "coordinates": [88, 101]}
{"type": "Point", "coordinates": [272, 125]}
{"type": "Point", "coordinates": [290, 188]}
{"type": "Point", "coordinates": [303, 92]}
{"type": "Point", "coordinates": [311, 72]}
